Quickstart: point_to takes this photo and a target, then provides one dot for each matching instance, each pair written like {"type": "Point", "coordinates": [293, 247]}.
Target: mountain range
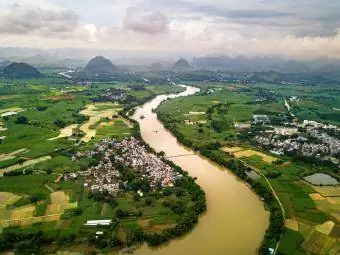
{"type": "Point", "coordinates": [265, 63]}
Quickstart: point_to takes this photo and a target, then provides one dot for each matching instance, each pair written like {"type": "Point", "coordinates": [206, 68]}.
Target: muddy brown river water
{"type": "Point", "coordinates": [235, 221]}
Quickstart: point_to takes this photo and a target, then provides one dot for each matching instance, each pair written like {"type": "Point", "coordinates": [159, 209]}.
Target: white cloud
{"type": "Point", "coordinates": [303, 28]}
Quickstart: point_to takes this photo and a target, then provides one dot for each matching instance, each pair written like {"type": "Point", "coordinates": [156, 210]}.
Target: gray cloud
{"type": "Point", "coordinates": [145, 22]}
{"type": "Point", "coordinates": [312, 18]}
{"type": "Point", "coordinates": [22, 20]}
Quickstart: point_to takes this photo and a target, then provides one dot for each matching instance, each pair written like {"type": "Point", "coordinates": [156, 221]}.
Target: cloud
{"type": "Point", "coordinates": [145, 22]}
{"type": "Point", "coordinates": [300, 18]}
{"type": "Point", "coordinates": [24, 20]}
{"type": "Point", "coordinates": [303, 28]}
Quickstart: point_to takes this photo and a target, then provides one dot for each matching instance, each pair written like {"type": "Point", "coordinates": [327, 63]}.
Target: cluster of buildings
{"type": "Point", "coordinates": [309, 138]}
{"type": "Point", "coordinates": [114, 95]}
{"type": "Point", "coordinates": [105, 178]}
{"type": "Point", "coordinates": [261, 119]}
{"type": "Point", "coordinates": [150, 166]}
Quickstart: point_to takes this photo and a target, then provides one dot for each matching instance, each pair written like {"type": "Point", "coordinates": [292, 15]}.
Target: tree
{"type": "Point", "coordinates": [21, 120]}
{"type": "Point", "coordinates": [167, 191]}
{"type": "Point", "coordinates": [60, 123]}
{"type": "Point", "coordinates": [121, 214]}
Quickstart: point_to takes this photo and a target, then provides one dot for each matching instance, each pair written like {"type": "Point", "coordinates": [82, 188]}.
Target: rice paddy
{"type": "Point", "coordinates": [59, 203]}
{"type": "Point", "coordinates": [292, 224]}
{"type": "Point", "coordinates": [95, 114]}
{"type": "Point", "coordinates": [318, 243]}
{"type": "Point", "coordinates": [24, 164]}
{"type": "Point", "coordinates": [12, 155]}
{"type": "Point", "coordinates": [325, 228]}
{"type": "Point", "coordinates": [232, 149]}
{"type": "Point", "coordinates": [65, 132]}
{"type": "Point", "coordinates": [7, 198]}
{"type": "Point", "coordinates": [22, 212]}
{"type": "Point", "coordinates": [250, 153]}
{"type": "Point", "coordinates": [328, 191]}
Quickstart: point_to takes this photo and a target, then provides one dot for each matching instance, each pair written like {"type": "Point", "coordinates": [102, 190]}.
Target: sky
{"type": "Point", "coordinates": [289, 28]}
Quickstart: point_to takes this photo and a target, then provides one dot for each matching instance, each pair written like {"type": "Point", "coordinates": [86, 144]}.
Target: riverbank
{"type": "Point", "coordinates": [228, 217]}
{"type": "Point", "coordinates": [273, 204]}
{"type": "Point", "coordinates": [222, 128]}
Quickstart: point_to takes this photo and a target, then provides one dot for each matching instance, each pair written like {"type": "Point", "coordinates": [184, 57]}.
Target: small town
{"type": "Point", "coordinates": [105, 178]}
{"type": "Point", "coordinates": [309, 138]}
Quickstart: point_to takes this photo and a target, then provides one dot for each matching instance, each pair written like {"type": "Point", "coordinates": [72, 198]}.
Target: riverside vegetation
{"type": "Point", "coordinates": [218, 122]}
{"type": "Point", "coordinates": [42, 210]}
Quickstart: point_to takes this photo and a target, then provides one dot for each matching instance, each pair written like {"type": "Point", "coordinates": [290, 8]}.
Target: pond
{"type": "Point", "coordinates": [253, 175]}
{"type": "Point", "coordinates": [321, 179]}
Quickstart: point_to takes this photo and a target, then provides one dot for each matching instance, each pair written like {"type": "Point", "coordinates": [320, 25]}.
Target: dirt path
{"type": "Point", "coordinates": [49, 188]}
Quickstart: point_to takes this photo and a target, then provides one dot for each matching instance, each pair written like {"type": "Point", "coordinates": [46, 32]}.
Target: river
{"type": "Point", "coordinates": [235, 221]}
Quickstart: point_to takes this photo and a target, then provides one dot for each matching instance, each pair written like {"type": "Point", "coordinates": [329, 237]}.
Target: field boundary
{"type": "Point", "coordinates": [7, 223]}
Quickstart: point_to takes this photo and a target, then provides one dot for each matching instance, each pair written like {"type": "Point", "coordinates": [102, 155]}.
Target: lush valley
{"type": "Point", "coordinates": [251, 123]}
{"type": "Point", "coordinates": [44, 122]}
{"type": "Point", "coordinates": [249, 130]}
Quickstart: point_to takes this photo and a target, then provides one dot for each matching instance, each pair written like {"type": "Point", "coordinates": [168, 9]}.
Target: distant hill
{"type": "Point", "coordinates": [156, 66]}
{"type": "Point", "coordinates": [100, 65]}
{"type": "Point", "coordinates": [20, 71]}
{"type": "Point", "coordinates": [258, 64]}
{"type": "Point", "coordinates": [181, 64]}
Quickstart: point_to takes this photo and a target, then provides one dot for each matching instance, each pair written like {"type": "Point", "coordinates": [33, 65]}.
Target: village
{"type": "Point", "coordinates": [104, 177]}
{"type": "Point", "coordinates": [307, 138]}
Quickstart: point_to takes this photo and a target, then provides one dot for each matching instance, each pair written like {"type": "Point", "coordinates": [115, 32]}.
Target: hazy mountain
{"type": "Point", "coordinates": [181, 64]}
{"type": "Point", "coordinates": [293, 66]}
{"type": "Point", "coordinates": [21, 71]}
{"type": "Point", "coordinates": [3, 64]}
{"type": "Point", "coordinates": [211, 62]}
{"type": "Point", "coordinates": [157, 66]}
{"type": "Point", "coordinates": [250, 64]}
{"type": "Point", "coordinates": [100, 65]}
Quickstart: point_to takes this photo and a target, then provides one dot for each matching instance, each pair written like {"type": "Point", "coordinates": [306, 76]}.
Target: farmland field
{"type": "Point", "coordinates": [52, 122]}
{"type": "Point", "coordinates": [223, 137]}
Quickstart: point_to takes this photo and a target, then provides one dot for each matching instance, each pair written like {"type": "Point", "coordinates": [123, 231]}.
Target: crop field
{"type": "Point", "coordinates": [65, 132]}
{"type": "Point", "coordinates": [292, 224]}
{"type": "Point", "coordinates": [27, 184]}
{"type": "Point", "coordinates": [290, 242]}
{"type": "Point", "coordinates": [317, 242]}
{"type": "Point", "coordinates": [232, 149]}
{"type": "Point", "coordinates": [59, 203]}
{"type": "Point", "coordinates": [3, 213]}
{"type": "Point", "coordinates": [22, 212]}
{"type": "Point", "coordinates": [12, 109]}
{"type": "Point", "coordinates": [249, 153]}
{"type": "Point", "coordinates": [12, 155]}
{"type": "Point", "coordinates": [328, 191]}
{"type": "Point", "coordinates": [61, 164]}
{"type": "Point", "coordinates": [306, 206]}
{"type": "Point", "coordinates": [7, 198]}
{"type": "Point", "coordinates": [63, 110]}
{"type": "Point", "coordinates": [96, 112]}
{"type": "Point", "coordinates": [325, 228]}
{"type": "Point", "coordinates": [24, 164]}
{"type": "Point", "coordinates": [334, 200]}
{"type": "Point", "coordinates": [326, 206]}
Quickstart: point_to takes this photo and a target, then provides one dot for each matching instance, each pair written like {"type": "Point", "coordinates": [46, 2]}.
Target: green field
{"type": "Point", "coordinates": [31, 185]}
{"type": "Point", "coordinates": [212, 114]}
{"type": "Point", "coordinates": [290, 242]}
{"type": "Point", "coordinates": [49, 105]}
